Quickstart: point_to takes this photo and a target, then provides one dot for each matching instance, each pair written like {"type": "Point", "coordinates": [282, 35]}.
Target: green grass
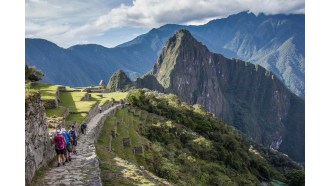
{"type": "Point", "coordinates": [75, 117]}
{"type": "Point", "coordinates": [57, 112]}
{"type": "Point", "coordinates": [71, 100]}
{"type": "Point", "coordinates": [107, 96]}
{"type": "Point", "coordinates": [117, 95]}
{"type": "Point", "coordinates": [47, 91]}
{"type": "Point", "coordinates": [107, 163]}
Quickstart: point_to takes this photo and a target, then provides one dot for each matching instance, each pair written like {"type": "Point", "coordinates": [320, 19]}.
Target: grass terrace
{"type": "Point", "coordinates": [56, 112]}
{"type": "Point", "coordinates": [71, 100]}
{"type": "Point", "coordinates": [47, 91]}
{"type": "Point", "coordinates": [103, 97]}
{"type": "Point", "coordinates": [75, 117]}
{"type": "Point", "coordinates": [118, 95]}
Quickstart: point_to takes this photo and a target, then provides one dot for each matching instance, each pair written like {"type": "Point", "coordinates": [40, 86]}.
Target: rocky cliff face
{"type": "Point", "coordinates": [38, 147]}
{"type": "Point", "coordinates": [240, 93]}
{"type": "Point", "coordinates": [119, 82]}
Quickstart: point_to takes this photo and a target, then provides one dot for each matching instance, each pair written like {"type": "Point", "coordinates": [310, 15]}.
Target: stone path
{"type": "Point", "coordinates": [84, 167]}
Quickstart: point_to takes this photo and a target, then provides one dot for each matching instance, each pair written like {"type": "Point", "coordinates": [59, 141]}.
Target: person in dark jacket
{"type": "Point", "coordinates": [83, 128]}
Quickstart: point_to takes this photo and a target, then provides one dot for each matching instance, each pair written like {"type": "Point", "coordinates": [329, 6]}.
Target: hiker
{"type": "Point", "coordinates": [74, 136]}
{"type": "Point", "coordinates": [59, 147]}
{"type": "Point", "coordinates": [83, 128]}
{"type": "Point", "coordinates": [68, 147]}
{"type": "Point", "coordinates": [100, 109]}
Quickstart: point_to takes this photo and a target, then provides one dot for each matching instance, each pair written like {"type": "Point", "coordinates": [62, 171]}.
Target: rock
{"type": "Point", "coordinates": [38, 147]}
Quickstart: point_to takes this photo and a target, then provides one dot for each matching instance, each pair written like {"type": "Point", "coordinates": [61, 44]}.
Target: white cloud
{"type": "Point", "coordinates": [70, 22]}
{"type": "Point", "coordinates": [153, 13]}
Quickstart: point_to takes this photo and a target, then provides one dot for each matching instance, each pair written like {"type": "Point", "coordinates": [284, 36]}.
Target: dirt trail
{"type": "Point", "coordinates": [84, 167]}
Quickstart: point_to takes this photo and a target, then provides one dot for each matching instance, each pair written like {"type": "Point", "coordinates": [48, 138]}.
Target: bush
{"type": "Point", "coordinates": [33, 74]}
{"type": "Point", "coordinates": [296, 177]}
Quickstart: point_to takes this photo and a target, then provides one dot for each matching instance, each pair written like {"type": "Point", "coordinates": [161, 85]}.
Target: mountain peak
{"type": "Point", "coordinates": [181, 44]}
{"type": "Point", "coordinates": [181, 36]}
{"type": "Point", "coordinates": [183, 33]}
{"type": "Point", "coordinates": [119, 81]}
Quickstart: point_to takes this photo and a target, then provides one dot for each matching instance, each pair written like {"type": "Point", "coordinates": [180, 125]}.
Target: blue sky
{"type": "Point", "coordinates": [109, 23]}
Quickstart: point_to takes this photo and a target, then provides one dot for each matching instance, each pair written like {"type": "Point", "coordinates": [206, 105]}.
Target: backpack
{"type": "Point", "coordinates": [73, 134]}
{"type": "Point", "coordinates": [67, 137]}
{"type": "Point", "coordinates": [59, 142]}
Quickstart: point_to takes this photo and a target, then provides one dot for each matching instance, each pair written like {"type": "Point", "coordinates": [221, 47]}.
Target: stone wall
{"type": "Point", "coordinates": [38, 147]}
{"type": "Point", "coordinates": [86, 97]}
{"type": "Point", "coordinates": [101, 121]}
{"type": "Point", "coordinates": [92, 112]}
{"type": "Point", "coordinates": [61, 88]}
{"type": "Point", "coordinates": [106, 105]}
{"type": "Point", "coordinates": [65, 113]}
{"type": "Point", "coordinates": [50, 103]}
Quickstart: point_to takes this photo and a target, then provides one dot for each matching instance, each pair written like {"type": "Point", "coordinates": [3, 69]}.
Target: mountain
{"type": "Point", "coordinates": [82, 65]}
{"type": "Point", "coordinates": [119, 81]}
{"type": "Point", "coordinates": [276, 42]}
{"type": "Point", "coordinates": [245, 95]}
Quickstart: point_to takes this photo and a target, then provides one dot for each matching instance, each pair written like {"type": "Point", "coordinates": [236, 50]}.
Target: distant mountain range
{"type": "Point", "coordinates": [240, 93]}
{"type": "Point", "coordinates": [276, 42]}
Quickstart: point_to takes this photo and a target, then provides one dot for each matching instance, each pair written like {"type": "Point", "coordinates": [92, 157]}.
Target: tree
{"type": "Point", "coordinates": [33, 74]}
{"type": "Point", "coordinates": [296, 177]}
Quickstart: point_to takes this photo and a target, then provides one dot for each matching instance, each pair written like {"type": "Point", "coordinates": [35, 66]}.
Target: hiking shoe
{"type": "Point", "coordinates": [58, 164]}
{"type": "Point", "coordinates": [63, 163]}
{"type": "Point", "coordinates": [69, 158]}
{"type": "Point", "coordinates": [66, 160]}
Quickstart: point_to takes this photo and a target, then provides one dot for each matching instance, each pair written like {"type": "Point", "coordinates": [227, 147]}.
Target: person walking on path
{"type": "Point", "coordinates": [68, 147]}
{"type": "Point", "coordinates": [74, 136]}
{"type": "Point", "coordinates": [83, 128]}
{"type": "Point", "coordinates": [59, 147]}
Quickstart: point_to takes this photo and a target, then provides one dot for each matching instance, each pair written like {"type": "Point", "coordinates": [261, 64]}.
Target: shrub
{"type": "Point", "coordinates": [33, 74]}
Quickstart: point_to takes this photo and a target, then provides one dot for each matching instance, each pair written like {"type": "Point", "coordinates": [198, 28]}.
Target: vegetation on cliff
{"type": "Point", "coordinates": [187, 145]}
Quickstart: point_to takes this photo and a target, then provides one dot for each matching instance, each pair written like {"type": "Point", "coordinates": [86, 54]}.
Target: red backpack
{"type": "Point", "coordinates": [59, 142]}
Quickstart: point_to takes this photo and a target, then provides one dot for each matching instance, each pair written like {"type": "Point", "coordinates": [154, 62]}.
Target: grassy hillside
{"type": "Point", "coordinates": [114, 171]}
{"type": "Point", "coordinates": [184, 144]}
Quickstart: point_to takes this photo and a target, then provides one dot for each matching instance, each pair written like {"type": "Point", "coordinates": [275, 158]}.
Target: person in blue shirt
{"type": "Point", "coordinates": [68, 141]}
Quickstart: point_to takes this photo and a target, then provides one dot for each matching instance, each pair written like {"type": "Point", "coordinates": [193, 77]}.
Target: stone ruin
{"type": "Point", "coordinates": [138, 150]}
{"type": "Point", "coordinates": [86, 97]}
{"type": "Point", "coordinates": [102, 84]}
{"type": "Point", "coordinates": [61, 88]}
{"type": "Point", "coordinates": [126, 142]}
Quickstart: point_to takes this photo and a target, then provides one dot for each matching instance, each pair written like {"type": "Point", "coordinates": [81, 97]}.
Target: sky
{"type": "Point", "coordinates": [110, 23]}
